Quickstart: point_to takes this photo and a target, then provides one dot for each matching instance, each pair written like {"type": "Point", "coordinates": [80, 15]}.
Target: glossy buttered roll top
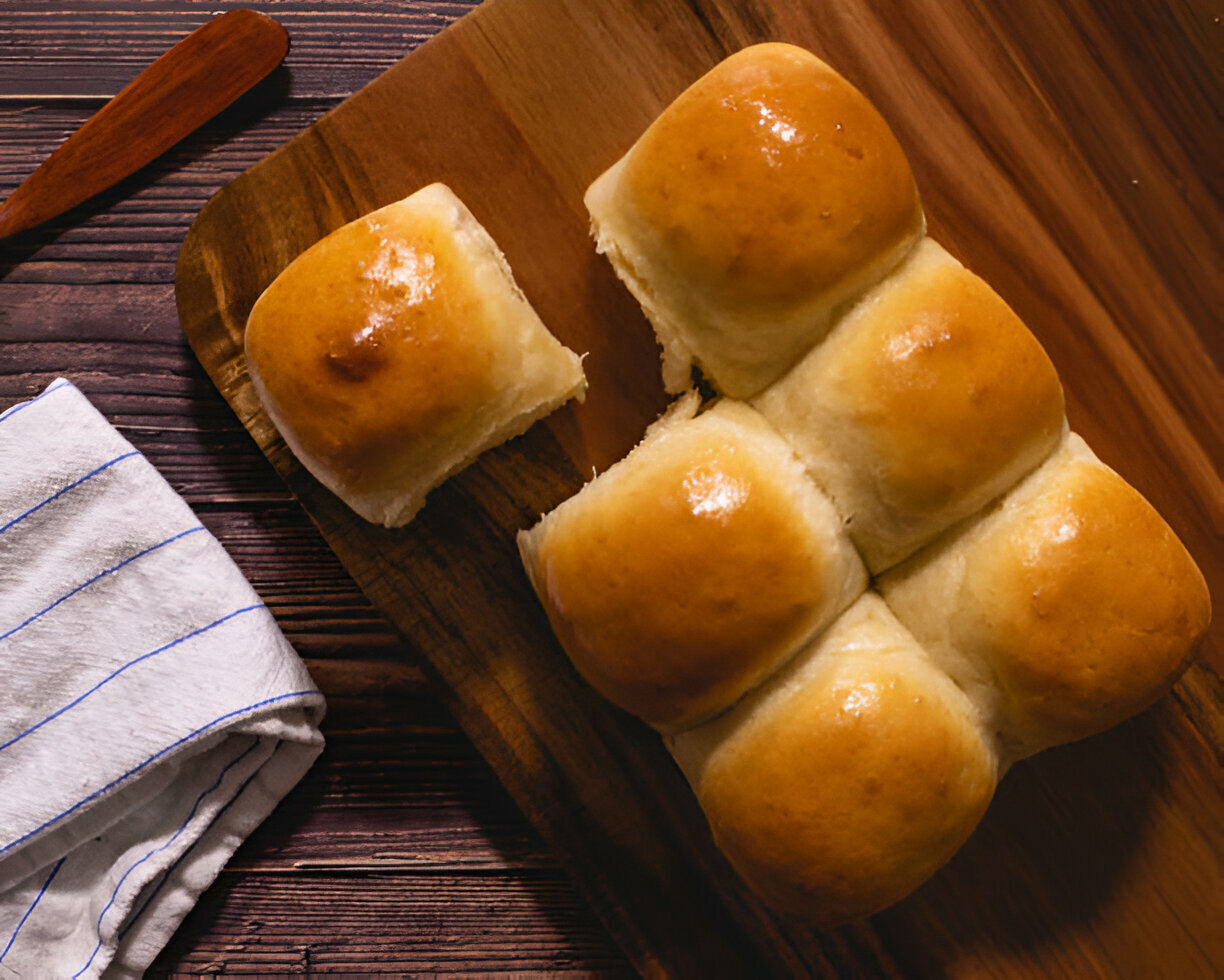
{"type": "Point", "coordinates": [693, 568]}
{"type": "Point", "coordinates": [849, 777]}
{"type": "Point", "coordinates": [393, 351]}
{"type": "Point", "coordinates": [1066, 608]}
{"type": "Point", "coordinates": [928, 400]}
{"type": "Point", "coordinates": [768, 193]}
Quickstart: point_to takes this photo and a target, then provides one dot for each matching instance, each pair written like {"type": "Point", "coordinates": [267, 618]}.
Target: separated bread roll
{"type": "Point", "coordinates": [764, 196]}
{"type": "Point", "coordinates": [1065, 609]}
{"type": "Point", "coordinates": [694, 567]}
{"type": "Point", "coordinates": [393, 352]}
{"type": "Point", "coordinates": [928, 399]}
{"type": "Point", "coordinates": [849, 778]}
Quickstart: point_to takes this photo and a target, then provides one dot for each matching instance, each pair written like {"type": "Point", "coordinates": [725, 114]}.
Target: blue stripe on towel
{"type": "Point", "coordinates": [37, 899]}
{"type": "Point", "coordinates": [151, 893]}
{"type": "Point", "coordinates": [102, 574]}
{"type": "Point", "coordinates": [20, 405]}
{"type": "Point", "coordinates": [75, 483]}
{"type": "Point", "coordinates": [152, 759]}
{"type": "Point", "coordinates": [131, 663]}
{"type": "Point", "coordinates": [170, 840]}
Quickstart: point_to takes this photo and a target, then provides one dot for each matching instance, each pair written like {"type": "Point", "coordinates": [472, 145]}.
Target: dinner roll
{"type": "Point", "coordinates": [694, 567]}
{"type": "Point", "coordinates": [394, 351]}
{"type": "Point", "coordinates": [1068, 607]}
{"type": "Point", "coordinates": [926, 401]}
{"type": "Point", "coordinates": [765, 195]}
{"type": "Point", "coordinates": [849, 778]}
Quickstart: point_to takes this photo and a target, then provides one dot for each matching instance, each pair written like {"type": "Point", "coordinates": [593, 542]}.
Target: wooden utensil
{"type": "Point", "coordinates": [179, 92]}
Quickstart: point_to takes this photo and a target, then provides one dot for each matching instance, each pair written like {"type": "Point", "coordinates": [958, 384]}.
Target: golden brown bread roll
{"type": "Point", "coordinates": [927, 400]}
{"type": "Point", "coordinates": [767, 194]}
{"type": "Point", "coordinates": [394, 351]}
{"type": "Point", "coordinates": [692, 568]}
{"type": "Point", "coordinates": [1063, 610]}
{"type": "Point", "coordinates": [849, 777]}
{"type": "Point", "coordinates": [768, 224]}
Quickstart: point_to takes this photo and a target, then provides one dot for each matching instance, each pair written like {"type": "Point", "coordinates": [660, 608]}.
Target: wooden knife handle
{"type": "Point", "coordinates": [180, 91]}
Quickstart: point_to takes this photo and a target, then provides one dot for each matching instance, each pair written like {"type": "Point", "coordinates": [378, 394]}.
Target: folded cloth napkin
{"type": "Point", "coordinates": [151, 712]}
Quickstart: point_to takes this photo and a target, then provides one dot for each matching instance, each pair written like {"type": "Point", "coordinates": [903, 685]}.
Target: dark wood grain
{"type": "Point", "coordinates": [510, 924]}
{"type": "Point", "coordinates": [82, 50]}
{"type": "Point", "coordinates": [401, 820]}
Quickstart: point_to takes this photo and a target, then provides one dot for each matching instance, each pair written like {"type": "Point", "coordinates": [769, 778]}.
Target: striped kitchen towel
{"type": "Point", "coordinates": [151, 712]}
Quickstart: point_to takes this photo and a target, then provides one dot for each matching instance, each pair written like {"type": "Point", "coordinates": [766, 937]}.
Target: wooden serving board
{"type": "Point", "coordinates": [1053, 167]}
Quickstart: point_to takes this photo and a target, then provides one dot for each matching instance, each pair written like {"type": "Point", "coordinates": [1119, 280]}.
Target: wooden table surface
{"type": "Point", "coordinates": [399, 851]}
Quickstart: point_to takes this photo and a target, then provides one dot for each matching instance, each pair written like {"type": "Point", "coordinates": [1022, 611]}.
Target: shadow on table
{"type": "Point", "coordinates": [1062, 839]}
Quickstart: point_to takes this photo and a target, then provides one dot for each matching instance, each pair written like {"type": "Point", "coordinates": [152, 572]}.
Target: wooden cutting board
{"type": "Point", "coordinates": [1051, 165]}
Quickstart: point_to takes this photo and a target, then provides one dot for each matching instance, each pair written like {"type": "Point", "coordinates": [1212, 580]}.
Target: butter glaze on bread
{"type": "Point", "coordinates": [929, 399]}
{"type": "Point", "coordinates": [1066, 609]}
{"type": "Point", "coordinates": [767, 194]}
{"type": "Point", "coordinates": [693, 568]}
{"type": "Point", "coordinates": [1025, 594]}
{"type": "Point", "coordinates": [394, 351]}
{"type": "Point", "coordinates": [849, 777]}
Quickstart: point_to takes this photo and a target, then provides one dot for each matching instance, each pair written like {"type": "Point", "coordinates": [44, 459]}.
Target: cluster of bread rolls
{"type": "Point", "coordinates": [878, 568]}
{"type": "Point", "coordinates": [395, 350]}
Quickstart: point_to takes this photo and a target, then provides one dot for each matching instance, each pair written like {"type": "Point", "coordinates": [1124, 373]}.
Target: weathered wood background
{"type": "Point", "coordinates": [400, 851]}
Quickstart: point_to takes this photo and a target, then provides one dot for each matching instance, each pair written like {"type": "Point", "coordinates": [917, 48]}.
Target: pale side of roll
{"type": "Point", "coordinates": [1065, 609]}
{"type": "Point", "coordinates": [849, 777]}
{"type": "Point", "coordinates": [766, 195]}
{"type": "Point", "coordinates": [394, 351]}
{"type": "Point", "coordinates": [694, 567]}
{"type": "Point", "coordinates": [927, 400]}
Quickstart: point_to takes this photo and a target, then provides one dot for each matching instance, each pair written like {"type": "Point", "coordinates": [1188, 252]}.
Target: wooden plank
{"type": "Point", "coordinates": [89, 50]}
{"type": "Point", "coordinates": [396, 924]}
{"type": "Point", "coordinates": [1025, 147]}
